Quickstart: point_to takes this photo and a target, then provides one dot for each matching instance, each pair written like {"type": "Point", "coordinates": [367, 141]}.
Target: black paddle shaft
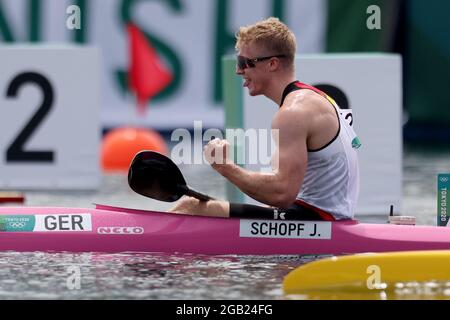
{"type": "Point", "coordinates": [195, 194]}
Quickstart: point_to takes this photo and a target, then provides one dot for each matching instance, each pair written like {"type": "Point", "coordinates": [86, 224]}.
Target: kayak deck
{"type": "Point", "coordinates": [114, 229]}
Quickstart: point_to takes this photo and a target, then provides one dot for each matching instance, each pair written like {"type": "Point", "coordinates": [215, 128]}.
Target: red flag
{"type": "Point", "coordinates": [147, 74]}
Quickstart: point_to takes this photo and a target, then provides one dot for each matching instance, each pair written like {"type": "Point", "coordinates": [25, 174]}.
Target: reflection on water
{"type": "Point", "coordinates": [158, 276]}
{"type": "Point", "coordinates": [142, 276]}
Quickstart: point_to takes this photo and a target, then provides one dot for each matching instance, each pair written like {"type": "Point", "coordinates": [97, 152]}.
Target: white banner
{"type": "Point", "coordinates": [49, 128]}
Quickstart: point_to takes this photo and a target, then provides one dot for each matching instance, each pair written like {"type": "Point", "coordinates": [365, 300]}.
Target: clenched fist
{"type": "Point", "coordinates": [217, 152]}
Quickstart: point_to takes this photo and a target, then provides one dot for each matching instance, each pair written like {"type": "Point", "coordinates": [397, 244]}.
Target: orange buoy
{"type": "Point", "coordinates": [120, 145]}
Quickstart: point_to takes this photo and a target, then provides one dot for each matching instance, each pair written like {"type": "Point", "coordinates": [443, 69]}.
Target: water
{"type": "Point", "coordinates": [141, 276]}
{"type": "Point", "coordinates": [159, 276]}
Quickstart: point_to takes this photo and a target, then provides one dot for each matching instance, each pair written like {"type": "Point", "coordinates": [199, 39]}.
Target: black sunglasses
{"type": "Point", "coordinates": [243, 62]}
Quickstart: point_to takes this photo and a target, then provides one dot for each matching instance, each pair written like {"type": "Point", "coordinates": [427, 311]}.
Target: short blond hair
{"type": "Point", "coordinates": [271, 35]}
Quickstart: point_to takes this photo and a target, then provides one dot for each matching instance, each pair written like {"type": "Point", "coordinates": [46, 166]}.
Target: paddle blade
{"type": "Point", "coordinates": [154, 175]}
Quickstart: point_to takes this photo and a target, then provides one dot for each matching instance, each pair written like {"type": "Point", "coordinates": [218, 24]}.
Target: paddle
{"type": "Point", "coordinates": [154, 175]}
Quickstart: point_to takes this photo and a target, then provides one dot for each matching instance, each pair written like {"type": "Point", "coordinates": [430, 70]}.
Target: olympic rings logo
{"type": "Point", "coordinates": [17, 224]}
{"type": "Point", "coordinates": [444, 179]}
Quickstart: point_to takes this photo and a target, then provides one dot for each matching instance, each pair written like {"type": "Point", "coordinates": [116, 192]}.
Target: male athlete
{"type": "Point", "coordinates": [315, 172]}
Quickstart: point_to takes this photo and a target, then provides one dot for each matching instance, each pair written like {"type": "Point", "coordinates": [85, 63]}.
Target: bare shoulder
{"type": "Point", "coordinates": [304, 100]}
{"type": "Point", "coordinates": [297, 110]}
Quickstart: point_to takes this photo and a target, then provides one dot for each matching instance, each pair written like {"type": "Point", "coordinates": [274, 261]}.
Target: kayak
{"type": "Point", "coordinates": [369, 272]}
{"type": "Point", "coordinates": [115, 229]}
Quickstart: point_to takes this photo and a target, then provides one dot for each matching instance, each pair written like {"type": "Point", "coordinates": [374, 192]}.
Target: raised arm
{"type": "Point", "coordinates": [280, 187]}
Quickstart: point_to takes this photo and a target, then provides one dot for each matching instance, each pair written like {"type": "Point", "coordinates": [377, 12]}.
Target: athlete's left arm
{"type": "Point", "coordinates": [280, 187]}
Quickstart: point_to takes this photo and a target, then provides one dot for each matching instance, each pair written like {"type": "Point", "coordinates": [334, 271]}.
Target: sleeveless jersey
{"type": "Point", "coordinates": [331, 181]}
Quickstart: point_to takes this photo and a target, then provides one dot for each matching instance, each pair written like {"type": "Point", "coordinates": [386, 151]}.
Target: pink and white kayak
{"type": "Point", "coordinates": [114, 229]}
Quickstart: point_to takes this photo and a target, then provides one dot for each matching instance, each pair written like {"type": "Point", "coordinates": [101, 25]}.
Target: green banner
{"type": "Point", "coordinates": [17, 223]}
{"type": "Point", "coordinates": [347, 29]}
{"type": "Point", "coordinates": [443, 214]}
{"type": "Point", "coordinates": [427, 61]}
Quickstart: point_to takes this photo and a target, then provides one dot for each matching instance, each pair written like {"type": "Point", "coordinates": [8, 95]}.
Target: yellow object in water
{"type": "Point", "coordinates": [369, 271]}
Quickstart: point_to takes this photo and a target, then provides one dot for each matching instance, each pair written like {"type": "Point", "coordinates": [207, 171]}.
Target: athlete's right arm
{"type": "Point", "coordinates": [280, 187]}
